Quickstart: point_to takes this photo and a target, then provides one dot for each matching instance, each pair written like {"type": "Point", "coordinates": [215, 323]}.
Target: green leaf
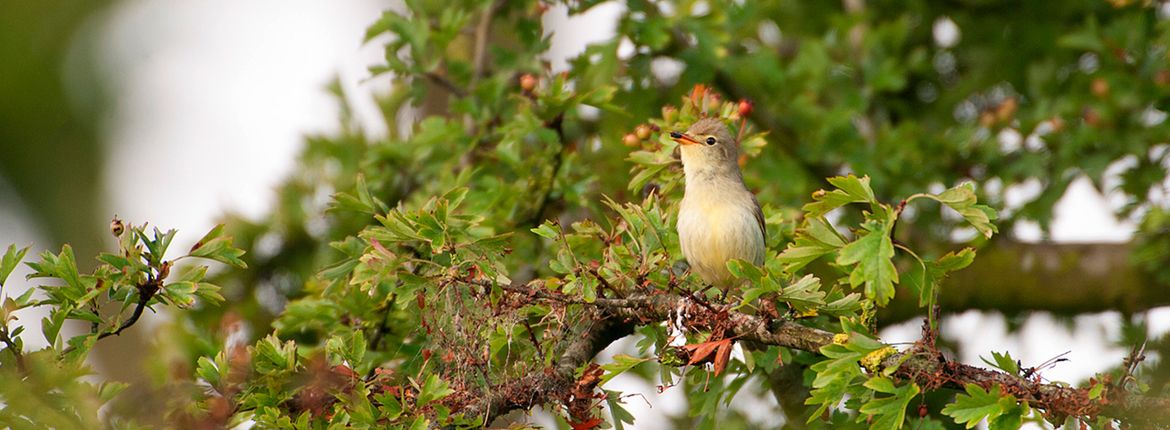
{"type": "Point", "coordinates": [62, 266]}
{"type": "Point", "coordinates": [209, 371]}
{"type": "Point", "coordinates": [433, 389]}
{"type": "Point", "coordinates": [872, 254]}
{"type": "Point", "coordinates": [271, 356]}
{"type": "Point", "coordinates": [850, 189]}
{"type": "Point", "coordinates": [745, 270]}
{"type": "Point", "coordinates": [547, 231]}
{"type": "Point", "coordinates": [11, 257]}
{"type": "Point", "coordinates": [215, 246]}
{"type": "Point", "coordinates": [805, 294]}
{"type": "Point", "coordinates": [1003, 362]}
{"type": "Point", "coordinates": [963, 200]}
{"type": "Point", "coordinates": [888, 412]}
{"type": "Point", "coordinates": [1011, 419]}
{"type": "Point", "coordinates": [107, 390]}
{"type": "Point", "coordinates": [621, 363]}
{"type": "Point", "coordinates": [839, 373]}
{"type": "Point", "coordinates": [51, 327]}
{"type": "Point", "coordinates": [364, 202]}
{"type": "Point", "coordinates": [925, 277]}
{"type": "Point", "coordinates": [389, 406]}
{"type": "Point", "coordinates": [350, 347]}
{"type": "Point", "coordinates": [815, 239]}
{"type": "Point", "coordinates": [620, 415]}
{"type": "Point", "coordinates": [157, 244]}
{"type": "Point", "coordinates": [1096, 390]}
{"type": "Point", "coordinates": [979, 404]}
{"type": "Point", "coordinates": [420, 423]}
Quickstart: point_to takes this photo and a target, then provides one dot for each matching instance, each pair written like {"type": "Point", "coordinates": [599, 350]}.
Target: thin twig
{"type": "Point", "coordinates": [557, 124]}
{"type": "Point", "coordinates": [146, 291]}
{"type": "Point", "coordinates": [446, 84]}
{"type": "Point", "coordinates": [482, 33]}
{"type": "Point", "coordinates": [11, 345]}
{"type": "Point", "coordinates": [535, 344]}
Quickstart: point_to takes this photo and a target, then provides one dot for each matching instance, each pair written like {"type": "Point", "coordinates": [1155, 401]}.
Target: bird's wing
{"type": "Point", "coordinates": [760, 218]}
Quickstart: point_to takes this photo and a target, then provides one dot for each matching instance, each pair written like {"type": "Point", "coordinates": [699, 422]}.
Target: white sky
{"type": "Point", "coordinates": [219, 93]}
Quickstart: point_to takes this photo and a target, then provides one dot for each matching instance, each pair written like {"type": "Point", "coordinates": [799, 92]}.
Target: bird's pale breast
{"type": "Point", "coordinates": [715, 227]}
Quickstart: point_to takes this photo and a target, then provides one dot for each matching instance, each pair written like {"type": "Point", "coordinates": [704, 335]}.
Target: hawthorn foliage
{"type": "Point", "coordinates": [518, 220]}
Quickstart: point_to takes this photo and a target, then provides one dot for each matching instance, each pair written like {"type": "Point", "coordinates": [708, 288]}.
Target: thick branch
{"type": "Point", "coordinates": [921, 364]}
{"type": "Point", "coordinates": [1067, 279]}
{"type": "Point", "coordinates": [552, 384]}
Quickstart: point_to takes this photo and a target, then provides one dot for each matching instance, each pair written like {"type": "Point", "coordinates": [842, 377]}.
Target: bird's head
{"type": "Point", "coordinates": [708, 144]}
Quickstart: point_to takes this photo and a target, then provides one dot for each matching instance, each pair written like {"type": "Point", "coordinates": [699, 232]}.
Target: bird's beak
{"type": "Point", "coordinates": [682, 138]}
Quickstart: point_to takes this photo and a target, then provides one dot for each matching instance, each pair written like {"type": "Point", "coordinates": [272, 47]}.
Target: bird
{"type": "Point", "coordinates": [719, 219]}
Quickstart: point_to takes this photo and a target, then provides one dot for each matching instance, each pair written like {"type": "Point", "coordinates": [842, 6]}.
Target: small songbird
{"type": "Point", "coordinates": [719, 219]}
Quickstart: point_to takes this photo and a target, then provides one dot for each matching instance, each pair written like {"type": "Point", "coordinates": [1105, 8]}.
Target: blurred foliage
{"type": "Point", "coordinates": [52, 103]}
{"type": "Point", "coordinates": [375, 291]}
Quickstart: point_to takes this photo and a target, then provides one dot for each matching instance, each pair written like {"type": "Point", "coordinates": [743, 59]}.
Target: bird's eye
{"type": "Point", "coordinates": [710, 141]}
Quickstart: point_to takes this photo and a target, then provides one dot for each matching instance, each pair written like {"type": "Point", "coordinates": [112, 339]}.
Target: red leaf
{"type": "Point", "coordinates": [722, 354]}
{"type": "Point", "coordinates": [588, 424]}
{"type": "Point", "coordinates": [701, 352]}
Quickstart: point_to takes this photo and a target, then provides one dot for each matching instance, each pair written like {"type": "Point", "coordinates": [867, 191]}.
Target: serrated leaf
{"type": "Point", "coordinates": [888, 412]}
{"type": "Point", "coordinates": [433, 389]}
{"type": "Point", "coordinates": [8, 263]}
{"type": "Point", "coordinates": [1011, 419]}
{"type": "Point", "coordinates": [389, 406]}
{"type": "Point", "coordinates": [546, 231]}
{"type": "Point", "coordinates": [620, 415]}
{"type": "Point", "coordinates": [804, 295]}
{"type": "Point", "coordinates": [978, 404]}
{"type": "Point", "coordinates": [850, 189]}
{"type": "Point", "coordinates": [745, 270]}
{"type": "Point", "coordinates": [924, 277]}
{"type": "Point", "coordinates": [835, 376]}
{"type": "Point", "coordinates": [621, 363]}
{"type": "Point", "coordinates": [1003, 362]}
{"type": "Point", "coordinates": [813, 240]}
{"type": "Point", "coordinates": [209, 371]}
{"type": "Point", "coordinates": [963, 200]}
{"type": "Point", "coordinates": [216, 246]}
{"type": "Point", "coordinates": [107, 390]}
{"type": "Point", "coordinates": [872, 255]}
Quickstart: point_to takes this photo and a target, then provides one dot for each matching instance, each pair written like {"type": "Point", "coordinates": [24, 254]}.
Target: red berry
{"type": "Point", "coordinates": [1099, 87]}
{"type": "Point", "coordinates": [745, 108]}
{"type": "Point", "coordinates": [528, 82]}
{"type": "Point", "coordinates": [643, 132]}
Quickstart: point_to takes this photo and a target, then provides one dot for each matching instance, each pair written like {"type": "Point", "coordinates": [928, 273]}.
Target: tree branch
{"type": "Point", "coordinates": [921, 364]}
{"type": "Point", "coordinates": [554, 383]}
{"type": "Point", "coordinates": [1064, 278]}
{"type": "Point", "coordinates": [446, 84]}
{"type": "Point", "coordinates": [146, 291]}
{"type": "Point", "coordinates": [482, 33]}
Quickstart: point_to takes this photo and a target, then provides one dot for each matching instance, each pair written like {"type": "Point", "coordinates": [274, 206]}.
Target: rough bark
{"type": "Point", "coordinates": [1062, 278]}
{"type": "Point", "coordinates": [921, 364]}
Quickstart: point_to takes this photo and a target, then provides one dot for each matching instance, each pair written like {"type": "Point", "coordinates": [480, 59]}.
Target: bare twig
{"type": "Point", "coordinates": [146, 291]}
{"type": "Point", "coordinates": [482, 33]}
{"type": "Point", "coordinates": [12, 346]}
{"type": "Point", "coordinates": [446, 84]}
{"type": "Point", "coordinates": [535, 343]}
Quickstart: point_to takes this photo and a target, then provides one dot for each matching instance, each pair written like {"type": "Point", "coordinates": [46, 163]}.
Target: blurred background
{"type": "Point", "coordinates": [175, 112]}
